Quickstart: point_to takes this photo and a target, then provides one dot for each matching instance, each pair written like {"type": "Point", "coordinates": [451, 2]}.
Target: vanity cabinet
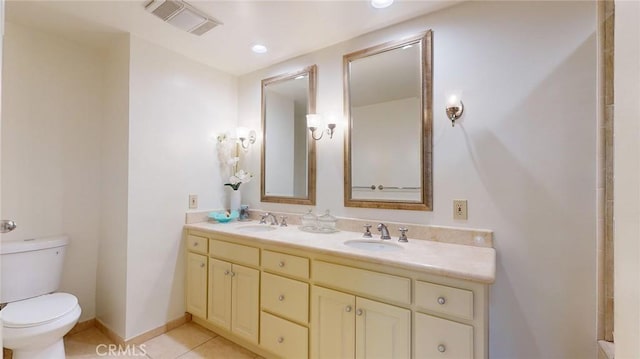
{"type": "Point", "coordinates": [350, 326]}
{"type": "Point", "coordinates": [285, 304]}
{"type": "Point", "coordinates": [234, 289]}
{"type": "Point", "coordinates": [196, 283]}
{"type": "Point", "coordinates": [289, 302]}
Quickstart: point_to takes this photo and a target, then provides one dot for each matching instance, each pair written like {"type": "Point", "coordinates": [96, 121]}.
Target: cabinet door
{"type": "Point", "coordinates": [333, 324]}
{"type": "Point", "coordinates": [219, 312]}
{"type": "Point", "coordinates": [441, 338]}
{"type": "Point", "coordinates": [197, 284]}
{"type": "Point", "coordinates": [382, 330]}
{"type": "Point", "coordinates": [245, 306]}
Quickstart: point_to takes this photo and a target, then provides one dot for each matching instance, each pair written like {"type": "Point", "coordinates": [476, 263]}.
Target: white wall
{"type": "Point", "coordinates": [175, 105]}
{"type": "Point", "coordinates": [627, 180]}
{"type": "Point", "coordinates": [112, 254]}
{"type": "Point", "coordinates": [52, 101]}
{"type": "Point", "coordinates": [523, 155]}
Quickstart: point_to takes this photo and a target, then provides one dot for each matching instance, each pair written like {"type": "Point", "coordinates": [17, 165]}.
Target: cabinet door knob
{"type": "Point", "coordinates": [281, 264]}
{"type": "Point", "coordinates": [201, 265]}
{"type": "Point", "coordinates": [441, 300]}
{"type": "Point", "coordinates": [359, 312]}
{"type": "Point", "coordinates": [281, 297]}
{"type": "Point", "coordinates": [442, 348]}
{"type": "Point", "coordinates": [280, 339]}
{"type": "Point", "coordinates": [347, 309]}
{"type": "Point", "coordinates": [232, 274]}
{"type": "Point", "coordinates": [226, 272]}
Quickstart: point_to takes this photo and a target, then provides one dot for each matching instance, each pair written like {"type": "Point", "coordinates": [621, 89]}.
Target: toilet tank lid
{"type": "Point", "coordinates": [33, 244]}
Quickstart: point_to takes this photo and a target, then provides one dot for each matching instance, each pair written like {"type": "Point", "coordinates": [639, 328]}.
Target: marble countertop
{"type": "Point", "coordinates": [477, 264]}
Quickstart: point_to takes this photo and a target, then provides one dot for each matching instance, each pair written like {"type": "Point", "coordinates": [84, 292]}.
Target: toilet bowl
{"type": "Point", "coordinates": [35, 318]}
{"type": "Point", "coordinates": [33, 328]}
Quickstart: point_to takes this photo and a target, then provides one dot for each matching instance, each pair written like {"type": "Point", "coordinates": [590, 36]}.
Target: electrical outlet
{"type": "Point", "coordinates": [459, 209]}
{"type": "Point", "coordinates": [193, 201]}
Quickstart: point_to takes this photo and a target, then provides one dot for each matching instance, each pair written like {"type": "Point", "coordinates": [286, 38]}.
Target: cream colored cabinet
{"type": "Point", "coordinates": [285, 305]}
{"type": "Point", "coordinates": [347, 326]}
{"type": "Point", "coordinates": [197, 284]}
{"type": "Point", "coordinates": [234, 298]}
{"type": "Point", "coordinates": [441, 338]}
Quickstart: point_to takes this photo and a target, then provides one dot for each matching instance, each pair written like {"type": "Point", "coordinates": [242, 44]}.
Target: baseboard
{"type": "Point", "coordinates": [81, 326]}
{"type": "Point", "coordinates": [159, 330]}
{"type": "Point", "coordinates": [139, 339]}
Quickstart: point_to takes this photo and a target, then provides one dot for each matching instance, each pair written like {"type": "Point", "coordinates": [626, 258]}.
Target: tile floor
{"type": "Point", "coordinates": [188, 341]}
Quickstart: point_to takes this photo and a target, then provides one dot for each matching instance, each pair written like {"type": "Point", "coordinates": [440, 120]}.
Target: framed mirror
{"type": "Point", "coordinates": [288, 159]}
{"type": "Point", "coordinates": [388, 141]}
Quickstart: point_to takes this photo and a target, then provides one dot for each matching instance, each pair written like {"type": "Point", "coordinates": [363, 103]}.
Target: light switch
{"type": "Point", "coordinates": [193, 201]}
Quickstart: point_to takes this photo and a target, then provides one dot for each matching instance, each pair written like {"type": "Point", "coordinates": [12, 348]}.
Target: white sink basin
{"type": "Point", "coordinates": [253, 228]}
{"type": "Point", "coordinates": [373, 245]}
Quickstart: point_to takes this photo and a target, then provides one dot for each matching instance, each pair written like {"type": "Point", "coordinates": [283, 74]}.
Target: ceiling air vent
{"type": "Point", "coordinates": [182, 15]}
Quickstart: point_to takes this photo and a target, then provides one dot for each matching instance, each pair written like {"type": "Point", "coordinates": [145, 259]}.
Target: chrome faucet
{"type": "Point", "coordinates": [263, 219]}
{"type": "Point", "coordinates": [384, 231]}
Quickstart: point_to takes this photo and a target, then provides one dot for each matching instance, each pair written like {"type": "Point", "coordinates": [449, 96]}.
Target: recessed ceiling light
{"type": "Point", "coordinates": [259, 49]}
{"type": "Point", "coordinates": [381, 4]}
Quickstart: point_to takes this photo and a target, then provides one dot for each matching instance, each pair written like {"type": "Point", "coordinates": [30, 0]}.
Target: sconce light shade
{"type": "Point", "coordinates": [454, 109]}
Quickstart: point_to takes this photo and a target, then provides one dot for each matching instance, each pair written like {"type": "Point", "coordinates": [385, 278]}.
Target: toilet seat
{"type": "Point", "coordinates": [38, 310]}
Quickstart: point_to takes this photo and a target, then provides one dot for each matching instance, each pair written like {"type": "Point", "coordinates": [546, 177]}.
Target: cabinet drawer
{"type": "Point", "coordinates": [286, 297]}
{"type": "Point", "coordinates": [361, 281]}
{"type": "Point", "coordinates": [283, 338]}
{"type": "Point", "coordinates": [441, 338]}
{"type": "Point", "coordinates": [443, 299]}
{"type": "Point", "coordinates": [236, 253]}
{"type": "Point", "coordinates": [197, 244]}
{"type": "Point", "coordinates": [286, 264]}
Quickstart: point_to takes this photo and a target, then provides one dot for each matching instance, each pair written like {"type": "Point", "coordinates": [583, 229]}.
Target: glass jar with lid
{"type": "Point", "coordinates": [309, 220]}
{"type": "Point", "coordinates": [327, 222]}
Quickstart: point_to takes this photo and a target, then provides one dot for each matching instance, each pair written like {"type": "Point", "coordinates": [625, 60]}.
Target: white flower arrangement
{"type": "Point", "coordinates": [228, 156]}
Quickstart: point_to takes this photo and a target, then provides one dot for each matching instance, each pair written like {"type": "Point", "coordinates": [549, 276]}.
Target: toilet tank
{"type": "Point", "coordinates": [31, 267]}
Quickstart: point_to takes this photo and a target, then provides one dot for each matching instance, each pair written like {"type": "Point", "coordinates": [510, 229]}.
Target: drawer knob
{"type": "Point", "coordinates": [442, 348]}
{"type": "Point", "coordinates": [195, 244]}
{"type": "Point", "coordinates": [281, 297]}
{"type": "Point", "coordinates": [347, 309]}
{"type": "Point", "coordinates": [201, 265]}
{"type": "Point", "coordinates": [280, 340]}
{"type": "Point", "coordinates": [281, 264]}
{"type": "Point", "coordinates": [441, 300]}
{"type": "Point", "coordinates": [359, 312]}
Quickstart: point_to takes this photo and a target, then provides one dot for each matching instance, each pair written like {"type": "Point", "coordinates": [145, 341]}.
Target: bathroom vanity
{"type": "Point", "coordinates": [281, 292]}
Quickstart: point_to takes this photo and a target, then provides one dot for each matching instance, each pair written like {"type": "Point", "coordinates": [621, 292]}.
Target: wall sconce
{"type": "Point", "coordinates": [316, 122]}
{"type": "Point", "coordinates": [454, 109]}
{"type": "Point", "coordinates": [245, 137]}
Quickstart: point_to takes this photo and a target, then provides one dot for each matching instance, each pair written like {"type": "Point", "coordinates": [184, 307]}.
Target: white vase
{"type": "Point", "coordinates": [235, 198]}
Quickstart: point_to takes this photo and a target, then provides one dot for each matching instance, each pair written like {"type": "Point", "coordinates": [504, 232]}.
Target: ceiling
{"type": "Point", "coordinates": [287, 28]}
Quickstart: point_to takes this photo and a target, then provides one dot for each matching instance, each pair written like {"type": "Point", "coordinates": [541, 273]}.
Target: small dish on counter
{"type": "Point", "coordinates": [224, 217]}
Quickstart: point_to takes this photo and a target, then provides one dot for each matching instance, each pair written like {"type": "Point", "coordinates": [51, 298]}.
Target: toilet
{"type": "Point", "coordinates": [34, 316]}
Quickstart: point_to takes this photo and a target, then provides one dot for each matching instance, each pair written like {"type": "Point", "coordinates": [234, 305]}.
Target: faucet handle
{"type": "Point", "coordinates": [283, 221]}
{"type": "Point", "coordinates": [367, 232]}
{"type": "Point", "coordinates": [403, 235]}
{"type": "Point", "coordinates": [263, 218]}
